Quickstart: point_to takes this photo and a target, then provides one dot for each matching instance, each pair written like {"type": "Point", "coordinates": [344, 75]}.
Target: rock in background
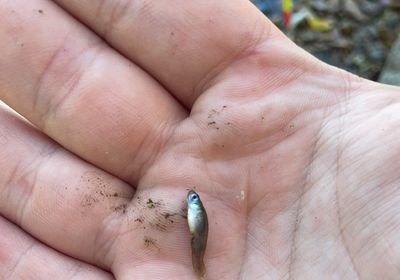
{"type": "Point", "coordinates": [391, 71]}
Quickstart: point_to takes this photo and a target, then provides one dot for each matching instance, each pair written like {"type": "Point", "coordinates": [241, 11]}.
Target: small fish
{"type": "Point", "coordinates": [198, 226]}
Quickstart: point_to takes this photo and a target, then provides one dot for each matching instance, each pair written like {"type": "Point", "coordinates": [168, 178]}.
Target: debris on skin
{"type": "Point", "coordinates": [100, 191]}
{"type": "Point", "coordinates": [148, 241]}
{"type": "Point", "coordinates": [215, 113]}
{"type": "Point", "coordinates": [159, 218]}
{"type": "Point", "coordinates": [120, 208]}
{"type": "Point", "coordinates": [100, 185]}
{"type": "Point", "coordinates": [140, 219]}
{"type": "Point", "coordinates": [168, 215]}
{"type": "Point", "coordinates": [183, 213]}
{"type": "Point", "coordinates": [213, 123]}
{"type": "Point", "coordinates": [88, 200]}
{"type": "Point", "coordinates": [159, 225]}
{"type": "Point", "coordinates": [150, 203]}
{"type": "Point", "coordinates": [241, 196]}
{"type": "Point", "coordinates": [212, 113]}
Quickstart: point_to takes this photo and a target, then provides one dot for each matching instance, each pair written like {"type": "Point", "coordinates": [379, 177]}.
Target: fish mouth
{"type": "Point", "coordinates": [190, 192]}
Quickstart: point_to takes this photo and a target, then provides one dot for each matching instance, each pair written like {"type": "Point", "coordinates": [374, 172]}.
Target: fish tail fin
{"type": "Point", "coordinates": [198, 266]}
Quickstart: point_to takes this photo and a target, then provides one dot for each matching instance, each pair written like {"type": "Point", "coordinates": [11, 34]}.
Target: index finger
{"type": "Point", "coordinates": [183, 44]}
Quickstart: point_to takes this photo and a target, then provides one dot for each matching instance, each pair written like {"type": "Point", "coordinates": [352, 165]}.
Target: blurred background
{"type": "Point", "coordinates": [361, 36]}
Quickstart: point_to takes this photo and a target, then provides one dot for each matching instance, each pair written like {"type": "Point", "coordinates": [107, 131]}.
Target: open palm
{"type": "Point", "coordinates": [133, 103]}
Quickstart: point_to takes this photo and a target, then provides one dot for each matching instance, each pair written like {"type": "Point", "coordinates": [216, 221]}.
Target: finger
{"type": "Point", "coordinates": [86, 214]}
{"type": "Point", "coordinates": [183, 44]}
{"type": "Point", "coordinates": [78, 91]}
{"type": "Point", "coordinates": [22, 257]}
{"type": "Point", "coordinates": [61, 200]}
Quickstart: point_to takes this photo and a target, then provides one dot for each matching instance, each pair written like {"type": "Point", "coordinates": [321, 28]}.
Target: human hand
{"type": "Point", "coordinates": [295, 161]}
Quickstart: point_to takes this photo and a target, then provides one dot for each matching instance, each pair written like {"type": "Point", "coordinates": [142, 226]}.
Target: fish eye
{"type": "Point", "coordinates": [194, 196]}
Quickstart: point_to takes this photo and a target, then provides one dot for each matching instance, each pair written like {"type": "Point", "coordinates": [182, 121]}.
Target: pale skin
{"type": "Point", "coordinates": [296, 162]}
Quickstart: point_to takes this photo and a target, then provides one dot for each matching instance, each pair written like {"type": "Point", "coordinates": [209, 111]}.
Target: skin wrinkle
{"type": "Point", "coordinates": [245, 234]}
{"type": "Point", "coordinates": [55, 106]}
{"type": "Point", "coordinates": [75, 270]}
{"type": "Point", "coordinates": [102, 248]}
{"type": "Point", "coordinates": [342, 236]}
{"type": "Point", "coordinates": [104, 239]}
{"type": "Point", "coordinates": [35, 171]}
{"type": "Point", "coordinates": [358, 161]}
{"type": "Point", "coordinates": [390, 258]}
{"type": "Point", "coordinates": [22, 256]}
{"type": "Point", "coordinates": [303, 191]}
{"type": "Point", "coordinates": [214, 72]}
{"type": "Point", "coordinates": [28, 262]}
{"type": "Point", "coordinates": [350, 85]}
{"type": "Point", "coordinates": [28, 177]}
{"type": "Point", "coordinates": [43, 73]}
{"type": "Point", "coordinates": [257, 140]}
{"type": "Point", "coordinates": [119, 10]}
{"type": "Point", "coordinates": [156, 156]}
{"type": "Point", "coordinates": [250, 240]}
{"type": "Point", "coordinates": [298, 201]}
{"type": "Point", "coordinates": [228, 204]}
{"type": "Point", "coordinates": [272, 87]}
{"type": "Point", "coordinates": [217, 197]}
{"type": "Point", "coordinates": [362, 207]}
{"type": "Point", "coordinates": [44, 115]}
{"type": "Point", "coordinates": [131, 168]}
{"type": "Point", "coordinates": [205, 81]}
{"type": "Point", "coordinates": [292, 77]}
{"type": "Point", "coordinates": [163, 136]}
{"type": "Point", "coordinates": [291, 257]}
{"type": "Point", "coordinates": [13, 175]}
{"type": "Point", "coordinates": [339, 152]}
{"type": "Point", "coordinates": [118, 14]}
{"type": "Point", "coordinates": [51, 108]}
{"type": "Point", "coordinates": [298, 218]}
{"type": "Point", "coordinates": [392, 227]}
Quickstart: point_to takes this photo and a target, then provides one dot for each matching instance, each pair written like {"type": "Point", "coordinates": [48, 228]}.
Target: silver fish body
{"type": "Point", "coordinates": [198, 227]}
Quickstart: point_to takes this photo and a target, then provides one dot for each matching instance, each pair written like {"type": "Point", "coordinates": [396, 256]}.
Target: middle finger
{"type": "Point", "coordinates": [57, 197]}
{"type": "Point", "coordinates": [79, 91]}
